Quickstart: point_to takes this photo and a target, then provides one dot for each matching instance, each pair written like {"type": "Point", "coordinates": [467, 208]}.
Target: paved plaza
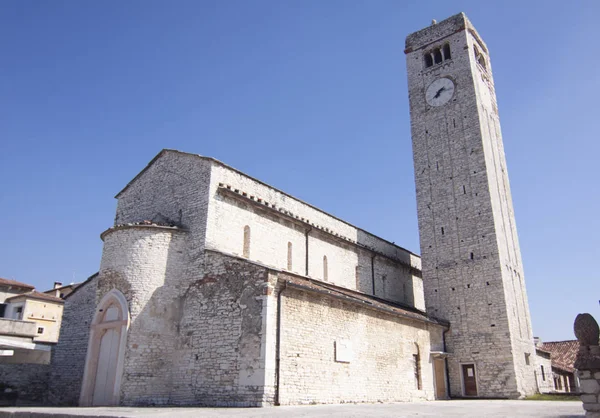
{"type": "Point", "coordinates": [455, 408]}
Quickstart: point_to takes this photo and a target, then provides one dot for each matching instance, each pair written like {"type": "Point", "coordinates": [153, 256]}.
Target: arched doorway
{"type": "Point", "coordinates": [105, 354]}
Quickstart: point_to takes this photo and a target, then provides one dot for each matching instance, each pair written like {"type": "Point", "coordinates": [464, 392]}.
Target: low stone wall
{"type": "Point", "coordinates": [30, 381]}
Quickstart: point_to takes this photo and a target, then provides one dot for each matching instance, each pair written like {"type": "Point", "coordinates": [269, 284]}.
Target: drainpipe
{"type": "Point", "coordinates": [373, 272]}
{"type": "Point", "coordinates": [306, 234]}
{"type": "Point", "coordinates": [446, 364]}
{"type": "Point", "coordinates": [278, 343]}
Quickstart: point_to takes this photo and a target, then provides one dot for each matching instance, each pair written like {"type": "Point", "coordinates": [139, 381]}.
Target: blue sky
{"type": "Point", "coordinates": [309, 96]}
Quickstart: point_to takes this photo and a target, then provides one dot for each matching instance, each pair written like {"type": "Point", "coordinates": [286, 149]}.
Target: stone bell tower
{"type": "Point", "coordinates": [472, 270]}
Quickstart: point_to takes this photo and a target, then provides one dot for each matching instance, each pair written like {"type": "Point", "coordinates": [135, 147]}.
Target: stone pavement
{"type": "Point", "coordinates": [455, 408]}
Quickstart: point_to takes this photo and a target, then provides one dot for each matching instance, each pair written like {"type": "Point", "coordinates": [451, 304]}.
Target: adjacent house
{"type": "Point", "coordinates": [29, 323]}
{"type": "Point", "coordinates": [543, 374]}
{"type": "Point", "coordinates": [563, 355]}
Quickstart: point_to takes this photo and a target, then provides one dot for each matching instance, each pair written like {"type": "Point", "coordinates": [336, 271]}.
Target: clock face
{"type": "Point", "coordinates": [439, 92]}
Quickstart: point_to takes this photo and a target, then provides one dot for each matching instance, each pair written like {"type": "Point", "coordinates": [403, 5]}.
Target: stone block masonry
{"type": "Point", "coordinates": [68, 356]}
{"type": "Point", "coordinates": [333, 351]}
{"type": "Point", "coordinates": [30, 381]}
{"type": "Point", "coordinates": [472, 268]}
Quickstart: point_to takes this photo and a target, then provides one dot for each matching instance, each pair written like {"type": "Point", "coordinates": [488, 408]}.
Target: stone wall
{"type": "Point", "coordinates": [146, 264]}
{"type": "Point", "coordinates": [333, 351]}
{"type": "Point", "coordinates": [288, 234]}
{"type": "Point", "coordinates": [543, 372]}
{"type": "Point", "coordinates": [30, 381]}
{"type": "Point", "coordinates": [219, 361]}
{"type": "Point", "coordinates": [68, 356]}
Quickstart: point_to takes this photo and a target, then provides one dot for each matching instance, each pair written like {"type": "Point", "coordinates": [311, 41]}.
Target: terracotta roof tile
{"type": "Point", "coordinates": [8, 282]}
{"type": "Point", "coordinates": [563, 353]}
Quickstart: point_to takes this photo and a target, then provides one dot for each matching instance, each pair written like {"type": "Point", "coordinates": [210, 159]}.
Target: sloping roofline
{"type": "Point", "coordinates": [38, 296]}
{"type": "Point", "coordinates": [14, 283]}
{"type": "Point", "coordinates": [214, 160]}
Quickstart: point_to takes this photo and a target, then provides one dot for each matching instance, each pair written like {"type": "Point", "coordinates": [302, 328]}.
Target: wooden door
{"type": "Point", "coordinates": [470, 383]}
{"type": "Point", "coordinates": [439, 369]}
{"type": "Point", "coordinates": [104, 384]}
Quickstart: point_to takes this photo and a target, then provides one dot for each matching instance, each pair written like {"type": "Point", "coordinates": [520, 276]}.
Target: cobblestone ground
{"type": "Point", "coordinates": [456, 408]}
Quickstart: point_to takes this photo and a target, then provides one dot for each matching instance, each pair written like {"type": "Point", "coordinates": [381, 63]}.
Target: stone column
{"type": "Point", "coordinates": [587, 363]}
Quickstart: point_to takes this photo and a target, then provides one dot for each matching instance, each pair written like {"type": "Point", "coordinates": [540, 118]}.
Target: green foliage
{"type": "Point", "coordinates": [552, 397]}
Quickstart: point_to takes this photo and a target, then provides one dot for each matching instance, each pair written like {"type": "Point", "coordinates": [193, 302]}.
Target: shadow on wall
{"type": "Point", "coordinates": [151, 285]}
{"type": "Point", "coordinates": [380, 273]}
{"type": "Point", "coordinates": [194, 336]}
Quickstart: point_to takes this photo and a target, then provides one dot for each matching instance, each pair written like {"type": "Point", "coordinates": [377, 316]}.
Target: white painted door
{"type": "Point", "coordinates": [107, 368]}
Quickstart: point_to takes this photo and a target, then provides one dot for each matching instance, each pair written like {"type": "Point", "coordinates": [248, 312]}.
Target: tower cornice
{"type": "Point", "coordinates": [440, 30]}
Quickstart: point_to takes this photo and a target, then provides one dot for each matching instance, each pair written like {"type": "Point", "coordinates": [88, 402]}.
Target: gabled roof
{"type": "Point", "coordinates": [37, 295]}
{"type": "Point", "coordinates": [215, 161]}
{"type": "Point", "coordinates": [14, 283]}
{"type": "Point", "coordinates": [563, 353]}
{"type": "Point", "coordinates": [72, 285]}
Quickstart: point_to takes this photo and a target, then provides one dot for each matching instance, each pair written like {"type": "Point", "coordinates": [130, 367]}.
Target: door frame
{"type": "Point", "coordinates": [462, 378]}
{"type": "Point", "coordinates": [443, 360]}
{"type": "Point", "coordinates": [114, 297]}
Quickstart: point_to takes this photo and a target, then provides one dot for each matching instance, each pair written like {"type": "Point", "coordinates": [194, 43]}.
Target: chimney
{"type": "Point", "coordinates": [57, 285]}
{"type": "Point", "coordinates": [537, 341]}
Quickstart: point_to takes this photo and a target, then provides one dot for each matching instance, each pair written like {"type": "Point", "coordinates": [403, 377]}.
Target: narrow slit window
{"type": "Point", "coordinates": [543, 374]}
{"type": "Point", "coordinates": [442, 230]}
{"type": "Point", "coordinates": [325, 272]}
{"type": "Point", "coordinates": [471, 256]}
{"type": "Point", "coordinates": [289, 256]}
{"type": "Point", "coordinates": [246, 252]}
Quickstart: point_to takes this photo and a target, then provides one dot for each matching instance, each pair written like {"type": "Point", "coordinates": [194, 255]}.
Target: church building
{"type": "Point", "coordinates": [217, 289]}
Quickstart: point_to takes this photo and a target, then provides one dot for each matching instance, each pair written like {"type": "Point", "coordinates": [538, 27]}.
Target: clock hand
{"type": "Point", "coordinates": [439, 92]}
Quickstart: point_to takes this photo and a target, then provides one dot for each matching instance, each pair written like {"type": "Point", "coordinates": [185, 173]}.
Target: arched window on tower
{"type": "Point", "coordinates": [437, 56]}
{"type": "Point", "coordinates": [479, 57]}
{"type": "Point", "coordinates": [446, 50]}
{"type": "Point", "coordinates": [325, 272]}
{"type": "Point", "coordinates": [246, 252]}
{"type": "Point", "coordinates": [428, 59]}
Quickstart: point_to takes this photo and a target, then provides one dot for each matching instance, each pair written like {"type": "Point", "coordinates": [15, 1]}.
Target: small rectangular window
{"type": "Point", "coordinates": [527, 359]}
{"type": "Point", "coordinates": [40, 330]}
